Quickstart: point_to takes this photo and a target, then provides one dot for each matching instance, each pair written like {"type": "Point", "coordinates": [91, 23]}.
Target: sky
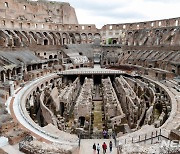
{"type": "Point", "coordinates": [101, 12]}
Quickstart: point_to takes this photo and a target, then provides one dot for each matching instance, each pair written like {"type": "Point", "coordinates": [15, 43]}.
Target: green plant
{"type": "Point", "coordinates": [110, 41]}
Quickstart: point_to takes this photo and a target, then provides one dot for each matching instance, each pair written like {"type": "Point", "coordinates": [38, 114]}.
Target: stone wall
{"type": "Point", "coordinates": [141, 31]}
{"type": "Point", "coordinates": [155, 63]}
{"type": "Point", "coordinates": [112, 108]}
{"type": "Point", "coordinates": [83, 106]}
{"type": "Point", "coordinates": [41, 11]}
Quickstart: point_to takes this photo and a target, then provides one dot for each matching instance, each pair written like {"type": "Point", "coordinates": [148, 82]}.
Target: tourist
{"type": "Point", "coordinates": [98, 148]}
{"type": "Point", "coordinates": [113, 135]}
{"type": "Point", "coordinates": [104, 134]}
{"type": "Point", "coordinates": [104, 146]}
{"type": "Point", "coordinates": [94, 148]}
{"type": "Point", "coordinates": [110, 146]}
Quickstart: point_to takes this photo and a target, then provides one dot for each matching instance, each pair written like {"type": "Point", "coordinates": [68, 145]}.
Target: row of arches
{"type": "Point", "coordinates": [28, 38]}
{"type": "Point", "coordinates": [164, 36]}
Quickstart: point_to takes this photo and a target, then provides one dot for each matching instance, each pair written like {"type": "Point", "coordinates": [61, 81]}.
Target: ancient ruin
{"type": "Point", "coordinates": [62, 82]}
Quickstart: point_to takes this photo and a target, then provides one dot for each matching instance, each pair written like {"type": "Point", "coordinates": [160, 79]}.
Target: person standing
{"type": "Point", "coordinates": [110, 146]}
{"type": "Point", "coordinates": [104, 146]}
{"type": "Point", "coordinates": [98, 148]}
{"type": "Point", "coordinates": [94, 148]}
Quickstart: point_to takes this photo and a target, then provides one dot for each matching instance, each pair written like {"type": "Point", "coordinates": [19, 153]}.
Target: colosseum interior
{"type": "Point", "coordinates": [64, 84]}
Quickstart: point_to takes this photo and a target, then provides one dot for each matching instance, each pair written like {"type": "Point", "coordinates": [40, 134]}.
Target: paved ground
{"type": "Point", "coordinates": [11, 149]}
{"type": "Point", "coordinates": [3, 141]}
{"type": "Point", "coordinates": [86, 146]}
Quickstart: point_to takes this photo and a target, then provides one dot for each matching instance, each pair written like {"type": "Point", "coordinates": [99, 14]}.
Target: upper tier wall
{"type": "Point", "coordinates": [23, 14]}
{"type": "Point", "coordinates": [44, 26]}
{"type": "Point", "coordinates": [143, 25]}
{"type": "Point", "coordinates": [57, 12]}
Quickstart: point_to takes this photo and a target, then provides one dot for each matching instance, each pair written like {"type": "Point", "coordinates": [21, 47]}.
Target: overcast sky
{"type": "Point", "coordinates": [101, 12]}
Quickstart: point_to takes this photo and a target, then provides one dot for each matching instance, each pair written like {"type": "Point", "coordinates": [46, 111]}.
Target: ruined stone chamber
{"type": "Point", "coordinates": [62, 81]}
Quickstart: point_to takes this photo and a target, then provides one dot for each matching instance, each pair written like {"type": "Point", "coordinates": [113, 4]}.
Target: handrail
{"type": "Point", "coordinates": [144, 137]}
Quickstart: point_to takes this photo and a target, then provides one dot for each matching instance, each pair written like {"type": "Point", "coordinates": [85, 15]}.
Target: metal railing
{"type": "Point", "coordinates": [153, 136]}
{"type": "Point", "coordinates": [72, 72]}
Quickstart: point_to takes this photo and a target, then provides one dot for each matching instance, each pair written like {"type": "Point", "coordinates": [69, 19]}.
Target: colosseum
{"type": "Point", "coordinates": [65, 86]}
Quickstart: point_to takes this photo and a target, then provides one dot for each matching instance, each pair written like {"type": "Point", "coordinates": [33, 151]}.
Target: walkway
{"type": "Point", "coordinates": [86, 146]}
{"type": "Point", "coordinates": [85, 71]}
{"type": "Point", "coordinates": [11, 149]}
{"type": "Point", "coordinates": [3, 141]}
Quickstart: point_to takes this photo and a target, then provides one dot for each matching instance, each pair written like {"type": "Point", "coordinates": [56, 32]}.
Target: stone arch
{"type": "Point", "coordinates": [8, 74]}
{"type": "Point", "coordinates": [129, 38]}
{"type": "Point", "coordinates": [78, 38]}
{"type": "Point", "coordinates": [15, 38]}
{"type": "Point", "coordinates": [45, 42]}
{"type": "Point", "coordinates": [136, 38]}
{"type": "Point", "coordinates": [6, 4]}
{"type": "Point", "coordinates": [50, 40]}
{"type": "Point", "coordinates": [25, 34]}
{"type": "Point", "coordinates": [130, 33]}
{"type": "Point", "coordinates": [55, 56]}
{"type": "Point", "coordinates": [90, 38]}
{"type": "Point", "coordinates": [33, 38]}
{"type": "Point", "coordinates": [56, 62]}
{"type": "Point", "coordinates": [42, 86]}
{"type": "Point", "coordinates": [3, 76]}
{"type": "Point", "coordinates": [24, 39]}
{"type": "Point", "coordinates": [164, 30]}
{"type": "Point", "coordinates": [40, 38]}
{"type": "Point", "coordinates": [29, 67]}
{"type": "Point", "coordinates": [50, 57]}
{"type": "Point", "coordinates": [83, 38]}
{"type": "Point", "coordinates": [158, 36]}
{"type": "Point", "coordinates": [59, 38]}
{"type": "Point", "coordinates": [65, 38]}
{"type": "Point", "coordinates": [13, 72]}
{"type": "Point", "coordinates": [34, 93]}
{"type": "Point", "coordinates": [4, 39]}
{"type": "Point", "coordinates": [97, 38]}
{"type": "Point", "coordinates": [54, 38]}
{"type": "Point", "coordinates": [72, 38]}
{"type": "Point", "coordinates": [37, 89]}
{"type": "Point", "coordinates": [114, 41]}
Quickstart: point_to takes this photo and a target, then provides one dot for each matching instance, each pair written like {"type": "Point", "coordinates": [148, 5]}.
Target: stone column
{"type": "Point", "coordinates": [11, 85]}
{"type": "Point", "coordinates": [3, 76]}
{"type": "Point", "coordinates": [9, 74]}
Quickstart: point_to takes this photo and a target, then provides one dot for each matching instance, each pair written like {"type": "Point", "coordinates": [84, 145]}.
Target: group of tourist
{"type": "Point", "coordinates": [104, 147]}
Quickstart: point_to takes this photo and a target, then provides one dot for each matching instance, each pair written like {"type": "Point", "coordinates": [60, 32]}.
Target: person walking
{"type": "Point", "coordinates": [98, 148]}
{"type": "Point", "coordinates": [94, 148]}
{"type": "Point", "coordinates": [110, 146]}
{"type": "Point", "coordinates": [104, 146]}
{"type": "Point", "coordinates": [104, 134]}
